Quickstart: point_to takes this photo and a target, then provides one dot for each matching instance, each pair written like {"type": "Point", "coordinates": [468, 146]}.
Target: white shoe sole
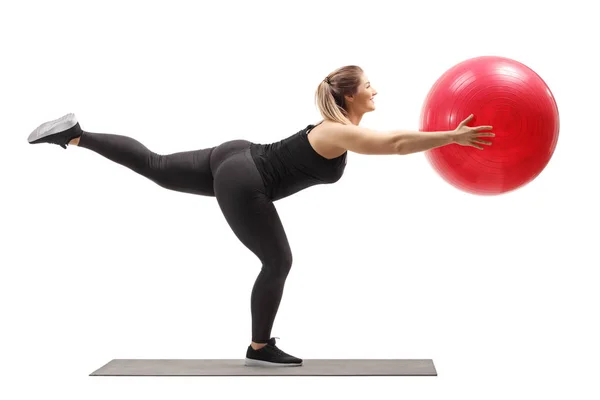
{"type": "Point", "coordinates": [258, 363]}
{"type": "Point", "coordinates": [51, 127]}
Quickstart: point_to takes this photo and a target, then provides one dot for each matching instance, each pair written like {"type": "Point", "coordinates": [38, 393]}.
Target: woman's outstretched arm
{"type": "Point", "coordinates": [368, 141]}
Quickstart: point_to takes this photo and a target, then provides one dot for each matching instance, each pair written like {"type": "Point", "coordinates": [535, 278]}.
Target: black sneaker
{"type": "Point", "coordinates": [60, 131]}
{"type": "Point", "coordinates": [270, 356]}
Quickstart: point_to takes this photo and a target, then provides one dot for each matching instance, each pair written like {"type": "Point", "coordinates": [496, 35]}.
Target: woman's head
{"type": "Point", "coordinates": [344, 92]}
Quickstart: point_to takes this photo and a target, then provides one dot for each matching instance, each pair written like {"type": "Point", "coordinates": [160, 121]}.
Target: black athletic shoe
{"type": "Point", "coordinates": [270, 356]}
{"type": "Point", "coordinates": [60, 131]}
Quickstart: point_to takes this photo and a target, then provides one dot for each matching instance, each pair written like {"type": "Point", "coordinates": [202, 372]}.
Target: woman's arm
{"type": "Point", "coordinates": [368, 141]}
{"type": "Point", "coordinates": [414, 141]}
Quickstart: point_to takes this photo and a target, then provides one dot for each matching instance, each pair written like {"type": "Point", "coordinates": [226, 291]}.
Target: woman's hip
{"type": "Point", "coordinates": [234, 171]}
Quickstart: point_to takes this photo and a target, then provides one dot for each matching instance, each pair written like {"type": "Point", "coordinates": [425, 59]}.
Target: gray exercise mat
{"type": "Point", "coordinates": [233, 367]}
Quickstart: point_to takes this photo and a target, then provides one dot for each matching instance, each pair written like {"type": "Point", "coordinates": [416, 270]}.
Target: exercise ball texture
{"type": "Point", "coordinates": [513, 99]}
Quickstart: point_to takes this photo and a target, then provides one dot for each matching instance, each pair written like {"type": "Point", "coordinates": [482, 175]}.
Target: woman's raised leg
{"type": "Point", "coordinates": [187, 171]}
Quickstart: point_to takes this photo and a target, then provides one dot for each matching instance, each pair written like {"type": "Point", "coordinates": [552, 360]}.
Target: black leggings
{"type": "Point", "coordinates": [228, 173]}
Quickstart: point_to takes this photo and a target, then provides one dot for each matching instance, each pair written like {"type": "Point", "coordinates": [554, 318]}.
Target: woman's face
{"type": "Point", "coordinates": [363, 101]}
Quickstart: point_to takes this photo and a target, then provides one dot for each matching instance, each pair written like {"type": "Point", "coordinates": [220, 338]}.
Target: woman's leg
{"type": "Point", "coordinates": [187, 171]}
{"type": "Point", "coordinates": [254, 220]}
{"type": "Point", "coordinates": [184, 172]}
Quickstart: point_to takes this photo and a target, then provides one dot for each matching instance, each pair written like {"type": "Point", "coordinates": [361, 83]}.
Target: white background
{"type": "Point", "coordinates": [390, 262]}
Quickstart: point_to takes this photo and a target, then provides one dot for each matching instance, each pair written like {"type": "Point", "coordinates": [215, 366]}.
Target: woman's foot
{"type": "Point", "coordinates": [270, 355]}
{"type": "Point", "coordinates": [62, 131]}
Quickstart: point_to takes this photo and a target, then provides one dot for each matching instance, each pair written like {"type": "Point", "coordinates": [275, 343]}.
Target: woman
{"type": "Point", "coordinates": [246, 178]}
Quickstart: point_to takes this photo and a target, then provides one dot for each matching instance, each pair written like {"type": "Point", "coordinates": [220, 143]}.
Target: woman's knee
{"type": "Point", "coordinates": [279, 267]}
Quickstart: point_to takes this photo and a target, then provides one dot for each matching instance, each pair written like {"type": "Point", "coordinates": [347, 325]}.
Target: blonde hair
{"type": "Point", "coordinates": [330, 95]}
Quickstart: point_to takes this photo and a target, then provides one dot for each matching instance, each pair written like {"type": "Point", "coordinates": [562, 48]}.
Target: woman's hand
{"type": "Point", "coordinates": [468, 136]}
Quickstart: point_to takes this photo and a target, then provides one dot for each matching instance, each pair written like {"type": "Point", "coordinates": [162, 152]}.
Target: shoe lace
{"type": "Point", "coordinates": [278, 350]}
{"type": "Point", "coordinates": [57, 140]}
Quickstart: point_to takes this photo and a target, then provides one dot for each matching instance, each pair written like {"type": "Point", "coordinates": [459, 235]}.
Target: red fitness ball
{"type": "Point", "coordinates": [510, 97]}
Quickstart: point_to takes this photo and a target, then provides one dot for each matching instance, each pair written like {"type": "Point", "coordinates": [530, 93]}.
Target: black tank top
{"type": "Point", "coordinates": [292, 164]}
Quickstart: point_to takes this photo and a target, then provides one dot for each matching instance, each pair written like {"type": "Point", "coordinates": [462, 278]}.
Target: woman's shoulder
{"type": "Point", "coordinates": [324, 123]}
{"type": "Point", "coordinates": [319, 139]}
